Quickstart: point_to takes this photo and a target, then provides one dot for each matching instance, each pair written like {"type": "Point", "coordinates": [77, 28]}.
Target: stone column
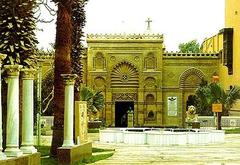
{"type": "Point", "coordinates": [69, 80]}
{"type": "Point", "coordinates": [2, 155]}
{"type": "Point", "coordinates": [12, 141]}
{"type": "Point", "coordinates": [27, 111]}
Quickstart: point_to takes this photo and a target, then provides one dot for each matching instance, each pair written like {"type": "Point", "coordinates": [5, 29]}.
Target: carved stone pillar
{"type": "Point", "coordinates": [12, 141]}
{"type": "Point", "coordinates": [27, 111]}
{"type": "Point", "coordinates": [69, 80]}
{"type": "Point", "coordinates": [2, 155]}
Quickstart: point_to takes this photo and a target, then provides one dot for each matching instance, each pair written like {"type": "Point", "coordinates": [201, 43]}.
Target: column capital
{"type": "Point", "coordinates": [28, 73]}
{"type": "Point", "coordinates": [2, 57]}
{"type": "Point", "coordinates": [13, 70]}
{"type": "Point", "coordinates": [69, 79]}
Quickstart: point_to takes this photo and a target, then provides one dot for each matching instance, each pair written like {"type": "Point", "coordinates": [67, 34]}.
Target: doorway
{"type": "Point", "coordinates": [121, 109]}
{"type": "Point", "coordinates": [192, 100]}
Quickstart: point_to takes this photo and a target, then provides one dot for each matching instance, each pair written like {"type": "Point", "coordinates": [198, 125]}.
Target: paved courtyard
{"type": "Point", "coordinates": [227, 153]}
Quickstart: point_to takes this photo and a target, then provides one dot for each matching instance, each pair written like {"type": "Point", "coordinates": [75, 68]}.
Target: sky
{"type": "Point", "coordinates": [178, 20]}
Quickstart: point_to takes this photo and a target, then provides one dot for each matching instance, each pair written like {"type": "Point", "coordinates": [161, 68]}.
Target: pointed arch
{"type": "Point", "coordinates": [191, 78]}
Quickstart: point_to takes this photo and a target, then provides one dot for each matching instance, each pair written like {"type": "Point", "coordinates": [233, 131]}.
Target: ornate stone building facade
{"type": "Point", "coordinates": [134, 72]}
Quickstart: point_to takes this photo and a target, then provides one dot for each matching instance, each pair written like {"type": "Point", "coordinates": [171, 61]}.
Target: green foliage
{"type": "Point", "coordinates": [207, 94]}
{"type": "Point", "coordinates": [233, 131]}
{"type": "Point", "coordinates": [78, 22]}
{"type": "Point", "coordinates": [47, 160]}
{"type": "Point", "coordinates": [189, 47]}
{"type": "Point", "coordinates": [95, 99]}
{"type": "Point", "coordinates": [93, 130]}
{"type": "Point", "coordinates": [203, 101]}
{"type": "Point", "coordinates": [94, 150]}
{"type": "Point", "coordinates": [17, 25]}
{"type": "Point", "coordinates": [95, 158]}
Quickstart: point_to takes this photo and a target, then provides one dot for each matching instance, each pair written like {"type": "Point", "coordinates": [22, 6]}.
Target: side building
{"type": "Point", "coordinates": [226, 43]}
{"type": "Point", "coordinates": [134, 72]}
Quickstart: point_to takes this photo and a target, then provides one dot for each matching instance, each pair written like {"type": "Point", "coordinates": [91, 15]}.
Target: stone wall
{"type": "Point", "coordinates": [227, 121]}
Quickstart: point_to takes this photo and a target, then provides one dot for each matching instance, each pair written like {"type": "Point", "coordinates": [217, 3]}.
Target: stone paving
{"type": "Point", "coordinates": [227, 153]}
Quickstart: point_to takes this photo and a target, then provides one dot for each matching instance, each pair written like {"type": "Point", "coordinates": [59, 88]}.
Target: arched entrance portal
{"type": "Point", "coordinates": [124, 84]}
{"type": "Point", "coordinates": [121, 109]}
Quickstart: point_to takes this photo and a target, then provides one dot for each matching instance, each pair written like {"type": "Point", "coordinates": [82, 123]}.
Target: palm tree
{"type": "Point", "coordinates": [65, 45]}
{"type": "Point", "coordinates": [62, 61]}
{"type": "Point", "coordinates": [95, 99]}
{"type": "Point", "coordinates": [213, 93]}
{"type": "Point", "coordinates": [227, 99]}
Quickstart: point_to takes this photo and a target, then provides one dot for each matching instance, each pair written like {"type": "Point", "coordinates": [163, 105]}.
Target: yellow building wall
{"type": "Point", "coordinates": [215, 44]}
{"type": "Point", "coordinates": [232, 20]}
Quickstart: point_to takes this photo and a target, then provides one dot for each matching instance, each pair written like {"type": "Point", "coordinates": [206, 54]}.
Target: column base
{"type": "Point", "coordinates": [28, 149]}
{"type": "Point", "coordinates": [13, 152]}
{"type": "Point", "coordinates": [68, 143]}
{"type": "Point", "coordinates": [2, 156]}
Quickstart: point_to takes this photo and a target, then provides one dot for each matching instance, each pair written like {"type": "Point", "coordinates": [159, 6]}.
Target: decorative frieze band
{"type": "Point", "coordinates": [125, 36]}
{"type": "Point", "coordinates": [124, 97]}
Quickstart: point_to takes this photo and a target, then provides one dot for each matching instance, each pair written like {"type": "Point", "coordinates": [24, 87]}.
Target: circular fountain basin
{"type": "Point", "coordinates": [157, 136]}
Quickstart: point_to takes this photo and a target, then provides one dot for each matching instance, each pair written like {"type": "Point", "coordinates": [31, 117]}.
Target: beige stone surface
{"type": "Point", "coordinates": [81, 121]}
{"type": "Point", "coordinates": [226, 153]}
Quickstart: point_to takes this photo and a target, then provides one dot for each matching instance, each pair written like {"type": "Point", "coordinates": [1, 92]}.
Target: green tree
{"type": "Point", "coordinates": [17, 26]}
{"type": "Point", "coordinates": [189, 47]}
{"type": "Point", "coordinates": [17, 39]}
{"type": "Point", "coordinates": [203, 101]}
{"type": "Point", "coordinates": [208, 94]}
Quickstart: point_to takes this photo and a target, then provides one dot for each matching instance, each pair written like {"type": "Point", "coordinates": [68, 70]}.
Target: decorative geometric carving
{"type": "Point", "coordinates": [171, 75]}
{"type": "Point", "coordinates": [124, 96]}
{"type": "Point", "coordinates": [112, 58]}
{"type": "Point", "coordinates": [150, 82]}
{"type": "Point", "coordinates": [191, 78]}
{"type": "Point", "coordinates": [99, 61]}
{"type": "Point", "coordinates": [128, 36]}
{"type": "Point", "coordinates": [124, 75]}
{"type": "Point", "coordinates": [150, 61]}
{"type": "Point", "coordinates": [136, 58]}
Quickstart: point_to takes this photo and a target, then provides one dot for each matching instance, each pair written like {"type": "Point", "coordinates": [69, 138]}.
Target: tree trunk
{"type": "Point", "coordinates": [62, 66]}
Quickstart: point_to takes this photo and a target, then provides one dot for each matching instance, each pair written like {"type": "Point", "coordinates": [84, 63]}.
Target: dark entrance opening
{"type": "Point", "coordinates": [192, 100]}
{"type": "Point", "coordinates": [121, 109]}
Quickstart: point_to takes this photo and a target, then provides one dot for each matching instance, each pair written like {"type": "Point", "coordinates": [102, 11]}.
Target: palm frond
{"type": "Point", "coordinates": [232, 96]}
{"type": "Point", "coordinates": [86, 94]}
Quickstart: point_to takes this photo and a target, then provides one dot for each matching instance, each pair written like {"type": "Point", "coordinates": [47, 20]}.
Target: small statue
{"type": "Point", "coordinates": [191, 114]}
